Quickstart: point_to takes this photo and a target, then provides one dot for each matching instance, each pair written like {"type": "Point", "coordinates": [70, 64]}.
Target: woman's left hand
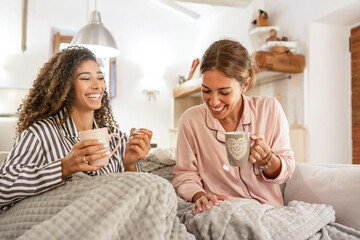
{"type": "Point", "coordinates": [137, 148]}
{"type": "Point", "coordinates": [260, 150]}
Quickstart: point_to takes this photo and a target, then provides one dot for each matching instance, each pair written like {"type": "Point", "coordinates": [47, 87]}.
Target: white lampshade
{"type": "Point", "coordinates": [97, 38]}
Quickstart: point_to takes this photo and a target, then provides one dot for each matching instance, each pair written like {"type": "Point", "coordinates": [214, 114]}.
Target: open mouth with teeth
{"type": "Point", "coordinates": [94, 96]}
{"type": "Point", "coordinates": [217, 110]}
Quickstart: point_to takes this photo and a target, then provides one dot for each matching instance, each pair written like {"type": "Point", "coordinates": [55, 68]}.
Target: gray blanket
{"type": "Point", "coordinates": [114, 206]}
{"type": "Point", "coordinates": [145, 206]}
{"type": "Point", "coordinates": [248, 219]}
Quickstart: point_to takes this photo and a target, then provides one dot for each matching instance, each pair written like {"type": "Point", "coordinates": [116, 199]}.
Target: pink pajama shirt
{"type": "Point", "coordinates": [202, 163]}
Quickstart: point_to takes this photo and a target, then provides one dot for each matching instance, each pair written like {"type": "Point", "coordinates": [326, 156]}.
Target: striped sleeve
{"type": "Point", "coordinates": [24, 173]}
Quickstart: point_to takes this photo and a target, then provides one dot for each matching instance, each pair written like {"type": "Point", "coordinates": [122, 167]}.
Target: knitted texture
{"type": "Point", "coordinates": [112, 206]}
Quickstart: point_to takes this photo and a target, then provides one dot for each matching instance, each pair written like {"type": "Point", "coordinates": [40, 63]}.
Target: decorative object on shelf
{"type": "Point", "coordinates": [96, 37]}
{"type": "Point", "coordinates": [194, 65]}
{"type": "Point", "coordinates": [285, 45]}
{"type": "Point", "coordinates": [181, 79]}
{"type": "Point", "coordinates": [151, 94]}
{"type": "Point", "coordinates": [279, 48]}
{"type": "Point", "coordinates": [273, 36]}
{"type": "Point", "coordinates": [262, 20]}
{"type": "Point", "coordinates": [279, 62]}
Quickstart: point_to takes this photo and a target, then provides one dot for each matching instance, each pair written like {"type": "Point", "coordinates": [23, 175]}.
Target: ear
{"type": "Point", "coordinates": [245, 85]}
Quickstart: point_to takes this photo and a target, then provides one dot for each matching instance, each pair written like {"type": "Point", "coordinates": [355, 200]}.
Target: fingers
{"type": "Point", "coordinates": [203, 203]}
{"type": "Point", "coordinates": [139, 141]}
{"type": "Point", "coordinates": [141, 131]}
{"type": "Point", "coordinates": [223, 198]}
{"type": "Point", "coordinates": [81, 155]}
{"type": "Point", "coordinates": [259, 149]}
{"type": "Point", "coordinates": [91, 149]}
{"type": "Point", "coordinates": [88, 159]}
{"type": "Point", "coordinates": [87, 143]}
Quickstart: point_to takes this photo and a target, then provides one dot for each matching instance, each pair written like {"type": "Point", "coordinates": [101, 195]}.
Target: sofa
{"type": "Point", "coordinates": [337, 185]}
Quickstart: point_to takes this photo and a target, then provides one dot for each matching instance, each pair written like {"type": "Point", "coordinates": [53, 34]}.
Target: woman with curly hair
{"type": "Point", "coordinates": [68, 96]}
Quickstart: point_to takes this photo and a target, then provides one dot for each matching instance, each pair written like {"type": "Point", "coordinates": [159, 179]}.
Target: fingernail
{"type": "Point", "coordinates": [216, 203]}
{"type": "Point", "coordinates": [100, 141]}
{"type": "Point", "coordinates": [200, 209]}
{"type": "Point", "coordinates": [207, 206]}
{"type": "Point", "coordinates": [131, 137]}
{"type": "Point", "coordinates": [137, 129]}
{"type": "Point", "coordinates": [106, 164]}
{"type": "Point", "coordinates": [106, 145]}
{"type": "Point", "coordinates": [108, 153]}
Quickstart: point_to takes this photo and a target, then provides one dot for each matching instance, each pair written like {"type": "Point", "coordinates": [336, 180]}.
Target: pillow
{"type": "Point", "coordinates": [336, 186]}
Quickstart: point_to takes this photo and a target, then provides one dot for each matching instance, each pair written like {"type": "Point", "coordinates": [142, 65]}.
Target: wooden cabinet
{"type": "Point", "coordinates": [185, 96]}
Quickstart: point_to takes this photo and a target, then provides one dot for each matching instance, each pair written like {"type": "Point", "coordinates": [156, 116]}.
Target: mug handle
{"type": "Point", "coordinates": [118, 144]}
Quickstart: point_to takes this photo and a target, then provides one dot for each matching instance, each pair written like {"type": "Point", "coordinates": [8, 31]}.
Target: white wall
{"type": "Point", "coordinates": [327, 79]}
{"type": "Point", "coordinates": [226, 22]}
{"type": "Point", "coordinates": [155, 42]}
{"type": "Point", "coordinates": [329, 94]}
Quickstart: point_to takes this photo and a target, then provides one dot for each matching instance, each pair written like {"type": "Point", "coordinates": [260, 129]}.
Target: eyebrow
{"type": "Point", "coordinates": [99, 72]}
{"type": "Point", "coordinates": [218, 89]}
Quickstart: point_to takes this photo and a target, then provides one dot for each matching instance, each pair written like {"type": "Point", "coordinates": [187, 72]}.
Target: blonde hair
{"type": "Point", "coordinates": [230, 58]}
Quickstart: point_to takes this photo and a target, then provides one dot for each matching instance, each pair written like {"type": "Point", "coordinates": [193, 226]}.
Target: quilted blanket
{"type": "Point", "coordinates": [248, 219]}
{"type": "Point", "coordinates": [113, 206]}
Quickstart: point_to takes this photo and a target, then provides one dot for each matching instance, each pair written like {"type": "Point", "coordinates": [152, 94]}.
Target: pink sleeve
{"type": "Point", "coordinates": [280, 145]}
{"type": "Point", "coordinates": [186, 180]}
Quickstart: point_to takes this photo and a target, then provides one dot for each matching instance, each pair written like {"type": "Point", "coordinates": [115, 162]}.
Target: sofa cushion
{"type": "Point", "coordinates": [8, 132]}
{"type": "Point", "coordinates": [337, 186]}
{"type": "Point", "coordinates": [3, 155]}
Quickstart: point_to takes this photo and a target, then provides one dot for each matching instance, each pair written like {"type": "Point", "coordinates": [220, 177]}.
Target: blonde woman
{"type": "Point", "coordinates": [202, 173]}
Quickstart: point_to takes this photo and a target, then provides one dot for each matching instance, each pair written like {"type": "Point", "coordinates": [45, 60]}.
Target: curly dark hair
{"type": "Point", "coordinates": [53, 90]}
{"type": "Point", "coordinates": [231, 58]}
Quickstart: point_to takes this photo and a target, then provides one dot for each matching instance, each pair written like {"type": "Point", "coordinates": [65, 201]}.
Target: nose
{"type": "Point", "coordinates": [95, 83]}
{"type": "Point", "coordinates": [214, 100]}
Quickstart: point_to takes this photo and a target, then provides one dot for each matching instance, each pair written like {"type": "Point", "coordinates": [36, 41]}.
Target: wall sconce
{"type": "Point", "coordinates": [151, 94]}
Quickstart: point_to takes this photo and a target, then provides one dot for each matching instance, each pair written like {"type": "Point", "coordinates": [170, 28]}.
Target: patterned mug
{"type": "Point", "coordinates": [101, 134]}
{"type": "Point", "coordinates": [238, 148]}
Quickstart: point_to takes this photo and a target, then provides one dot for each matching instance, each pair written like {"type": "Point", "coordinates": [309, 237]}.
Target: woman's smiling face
{"type": "Point", "coordinates": [222, 95]}
{"type": "Point", "coordinates": [89, 86]}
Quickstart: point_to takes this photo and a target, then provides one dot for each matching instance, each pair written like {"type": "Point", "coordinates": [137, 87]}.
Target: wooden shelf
{"type": "Point", "coordinates": [279, 62]}
{"type": "Point", "coordinates": [263, 30]}
{"type": "Point", "coordinates": [187, 88]}
{"type": "Point", "coordinates": [268, 45]}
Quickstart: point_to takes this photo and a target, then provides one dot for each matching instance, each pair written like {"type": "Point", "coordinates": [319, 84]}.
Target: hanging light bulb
{"type": "Point", "coordinates": [96, 37]}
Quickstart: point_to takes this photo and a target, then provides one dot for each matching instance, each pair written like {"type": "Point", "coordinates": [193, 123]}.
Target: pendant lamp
{"type": "Point", "coordinates": [97, 38]}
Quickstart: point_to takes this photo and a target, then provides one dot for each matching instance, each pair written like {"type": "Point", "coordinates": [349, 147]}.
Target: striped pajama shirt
{"type": "Point", "coordinates": [34, 164]}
